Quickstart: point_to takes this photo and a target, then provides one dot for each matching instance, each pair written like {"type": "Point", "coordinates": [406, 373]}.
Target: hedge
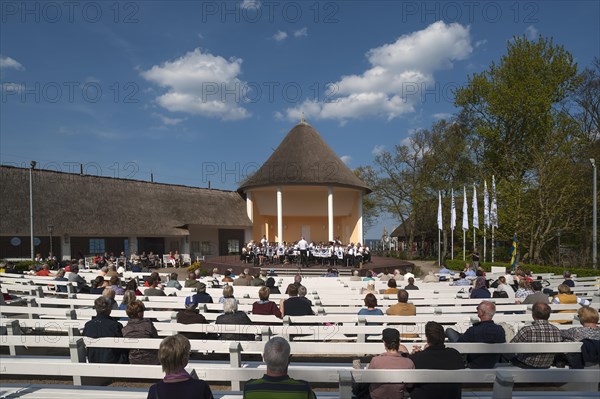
{"type": "Point", "coordinates": [455, 264]}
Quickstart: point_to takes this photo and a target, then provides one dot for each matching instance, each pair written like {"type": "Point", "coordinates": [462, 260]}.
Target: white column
{"type": "Point", "coordinates": [185, 249]}
{"type": "Point", "coordinates": [279, 216]}
{"type": "Point", "coordinates": [133, 245]}
{"type": "Point", "coordinates": [249, 207]}
{"type": "Point", "coordinates": [360, 221]}
{"type": "Point", "coordinates": [330, 212]}
{"type": "Point", "coordinates": [65, 246]}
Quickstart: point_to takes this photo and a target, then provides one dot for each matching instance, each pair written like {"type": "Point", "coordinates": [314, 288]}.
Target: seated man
{"type": "Point", "coordinates": [484, 331]}
{"type": "Point", "coordinates": [402, 308]}
{"type": "Point", "coordinates": [191, 315]}
{"type": "Point", "coordinates": [438, 357]}
{"type": "Point", "coordinates": [104, 326]}
{"type": "Point", "coordinates": [276, 383]}
{"type": "Point", "coordinates": [297, 304]}
{"type": "Point", "coordinates": [539, 331]}
{"type": "Point", "coordinates": [411, 284]}
{"type": "Point", "coordinates": [231, 315]}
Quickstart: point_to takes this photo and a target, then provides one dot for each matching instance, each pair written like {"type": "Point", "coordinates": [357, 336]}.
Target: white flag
{"type": "Point", "coordinates": [494, 206]}
{"type": "Point", "coordinates": [486, 206]}
{"type": "Point", "coordinates": [465, 225]}
{"type": "Point", "coordinates": [440, 226]}
{"type": "Point", "coordinates": [453, 213]}
{"type": "Point", "coordinates": [475, 212]}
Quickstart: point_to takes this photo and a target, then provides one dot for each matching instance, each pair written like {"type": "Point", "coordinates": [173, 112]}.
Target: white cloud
{"type": "Point", "coordinates": [346, 159]}
{"type": "Point", "coordinates": [200, 83]}
{"type": "Point", "coordinates": [169, 121]}
{"type": "Point", "coordinates": [531, 32]}
{"type": "Point", "coordinates": [250, 4]}
{"type": "Point", "coordinates": [442, 115]}
{"type": "Point", "coordinates": [378, 150]}
{"type": "Point", "coordinates": [280, 36]}
{"type": "Point", "coordinates": [480, 43]}
{"type": "Point", "coordinates": [399, 72]}
{"type": "Point", "coordinates": [10, 63]}
{"type": "Point", "coordinates": [301, 32]}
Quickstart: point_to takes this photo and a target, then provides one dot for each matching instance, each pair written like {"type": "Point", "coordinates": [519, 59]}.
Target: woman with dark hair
{"type": "Point", "coordinates": [272, 287]}
{"type": "Point", "coordinates": [370, 308]}
{"type": "Point", "coordinates": [480, 290]}
{"type": "Point", "coordinates": [98, 285]}
{"type": "Point", "coordinates": [392, 287]}
{"type": "Point", "coordinates": [138, 327]}
{"type": "Point", "coordinates": [394, 357]}
{"type": "Point", "coordinates": [133, 286]}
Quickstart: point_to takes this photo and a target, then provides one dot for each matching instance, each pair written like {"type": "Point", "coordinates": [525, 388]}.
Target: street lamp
{"type": "Point", "coordinates": [595, 225]}
{"type": "Point", "coordinates": [33, 163]}
{"type": "Point", "coordinates": [50, 228]}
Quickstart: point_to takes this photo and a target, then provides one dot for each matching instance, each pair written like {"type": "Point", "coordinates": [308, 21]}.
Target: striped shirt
{"type": "Point", "coordinates": [282, 387]}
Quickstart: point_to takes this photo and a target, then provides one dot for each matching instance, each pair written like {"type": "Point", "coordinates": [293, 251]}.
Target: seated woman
{"type": "Point", "coordinates": [589, 333]}
{"type": "Point", "coordinates": [128, 297]}
{"type": "Point", "coordinates": [227, 293]}
{"type": "Point", "coordinates": [263, 305]}
{"type": "Point", "coordinates": [110, 294]}
{"type": "Point", "coordinates": [480, 290]}
{"type": "Point", "coordinates": [138, 327]}
{"type": "Point", "coordinates": [272, 287]}
{"type": "Point", "coordinates": [523, 291]}
{"type": "Point", "coordinates": [566, 297]}
{"type": "Point", "coordinates": [98, 285]}
{"type": "Point", "coordinates": [174, 354]}
{"type": "Point", "coordinates": [371, 307]}
{"type": "Point", "coordinates": [392, 287]}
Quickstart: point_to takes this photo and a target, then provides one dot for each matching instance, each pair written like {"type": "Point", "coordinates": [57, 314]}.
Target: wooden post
{"type": "Point", "coordinates": [361, 338]}
{"type": "Point", "coordinates": [345, 384]}
{"type": "Point", "coordinates": [77, 353]}
{"type": "Point", "coordinates": [13, 328]}
{"type": "Point", "coordinates": [503, 385]}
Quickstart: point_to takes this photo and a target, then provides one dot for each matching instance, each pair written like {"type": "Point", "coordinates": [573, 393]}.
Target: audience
{"type": "Point", "coordinates": [539, 331]}
{"type": "Point", "coordinates": [173, 283]}
{"type": "Point", "coordinates": [485, 331]}
{"type": "Point", "coordinates": [276, 383]}
{"type": "Point", "coordinates": [191, 315]}
{"type": "Point", "coordinates": [537, 297]}
{"type": "Point", "coordinates": [435, 355]}
{"type": "Point", "coordinates": [231, 315]}
{"type": "Point", "coordinates": [138, 327]}
{"type": "Point", "coordinates": [370, 308]}
{"type": "Point", "coordinates": [263, 305]}
{"type": "Point", "coordinates": [101, 326]}
{"type": "Point", "coordinates": [480, 290]}
{"type": "Point", "coordinates": [297, 304]}
{"type": "Point", "coordinates": [227, 293]}
{"type": "Point", "coordinates": [411, 284]}
{"type": "Point", "coordinates": [394, 357]}
{"type": "Point", "coordinates": [174, 354]}
{"type": "Point", "coordinates": [402, 308]}
{"type": "Point", "coordinates": [392, 287]}
{"type": "Point", "coordinates": [272, 287]}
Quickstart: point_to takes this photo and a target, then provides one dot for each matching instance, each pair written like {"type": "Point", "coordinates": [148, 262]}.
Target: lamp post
{"type": "Point", "coordinates": [594, 223]}
{"type": "Point", "coordinates": [33, 163]}
{"type": "Point", "coordinates": [50, 228]}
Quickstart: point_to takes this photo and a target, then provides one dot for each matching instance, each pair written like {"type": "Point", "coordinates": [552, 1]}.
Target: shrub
{"type": "Point", "coordinates": [197, 265]}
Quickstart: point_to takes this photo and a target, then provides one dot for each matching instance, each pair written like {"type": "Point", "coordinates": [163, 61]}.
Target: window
{"type": "Point", "coordinates": [195, 247]}
{"type": "Point", "coordinates": [96, 246]}
{"type": "Point", "coordinates": [206, 248]}
{"type": "Point", "coordinates": [233, 247]}
{"type": "Point", "coordinates": [174, 246]}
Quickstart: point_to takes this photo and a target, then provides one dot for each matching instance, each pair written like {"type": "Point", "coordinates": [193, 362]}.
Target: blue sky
{"type": "Point", "coordinates": [199, 91]}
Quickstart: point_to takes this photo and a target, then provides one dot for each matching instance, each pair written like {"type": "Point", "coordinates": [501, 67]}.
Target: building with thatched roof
{"type": "Point", "coordinates": [93, 214]}
{"type": "Point", "coordinates": [304, 189]}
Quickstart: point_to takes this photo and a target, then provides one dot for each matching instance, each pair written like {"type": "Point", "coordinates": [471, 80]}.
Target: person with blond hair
{"type": "Point", "coordinates": [174, 354]}
{"type": "Point", "coordinates": [264, 306]}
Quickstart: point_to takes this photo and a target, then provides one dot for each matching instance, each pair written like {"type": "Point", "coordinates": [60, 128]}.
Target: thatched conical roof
{"type": "Point", "coordinates": [303, 158]}
{"type": "Point", "coordinates": [103, 206]}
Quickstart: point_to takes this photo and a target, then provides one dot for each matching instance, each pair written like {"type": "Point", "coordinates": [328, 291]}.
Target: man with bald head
{"type": "Point", "coordinates": [485, 331]}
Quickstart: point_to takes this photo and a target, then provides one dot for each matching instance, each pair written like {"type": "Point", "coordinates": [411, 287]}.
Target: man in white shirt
{"type": "Point", "coordinates": [303, 248]}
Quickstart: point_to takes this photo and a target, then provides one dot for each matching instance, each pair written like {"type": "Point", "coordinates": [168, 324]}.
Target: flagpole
{"type": "Point", "coordinates": [484, 243]}
{"type": "Point", "coordinates": [464, 244]}
{"type": "Point", "coordinates": [439, 248]}
{"type": "Point", "coordinates": [492, 243]}
{"type": "Point", "coordinates": [452, 242]}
